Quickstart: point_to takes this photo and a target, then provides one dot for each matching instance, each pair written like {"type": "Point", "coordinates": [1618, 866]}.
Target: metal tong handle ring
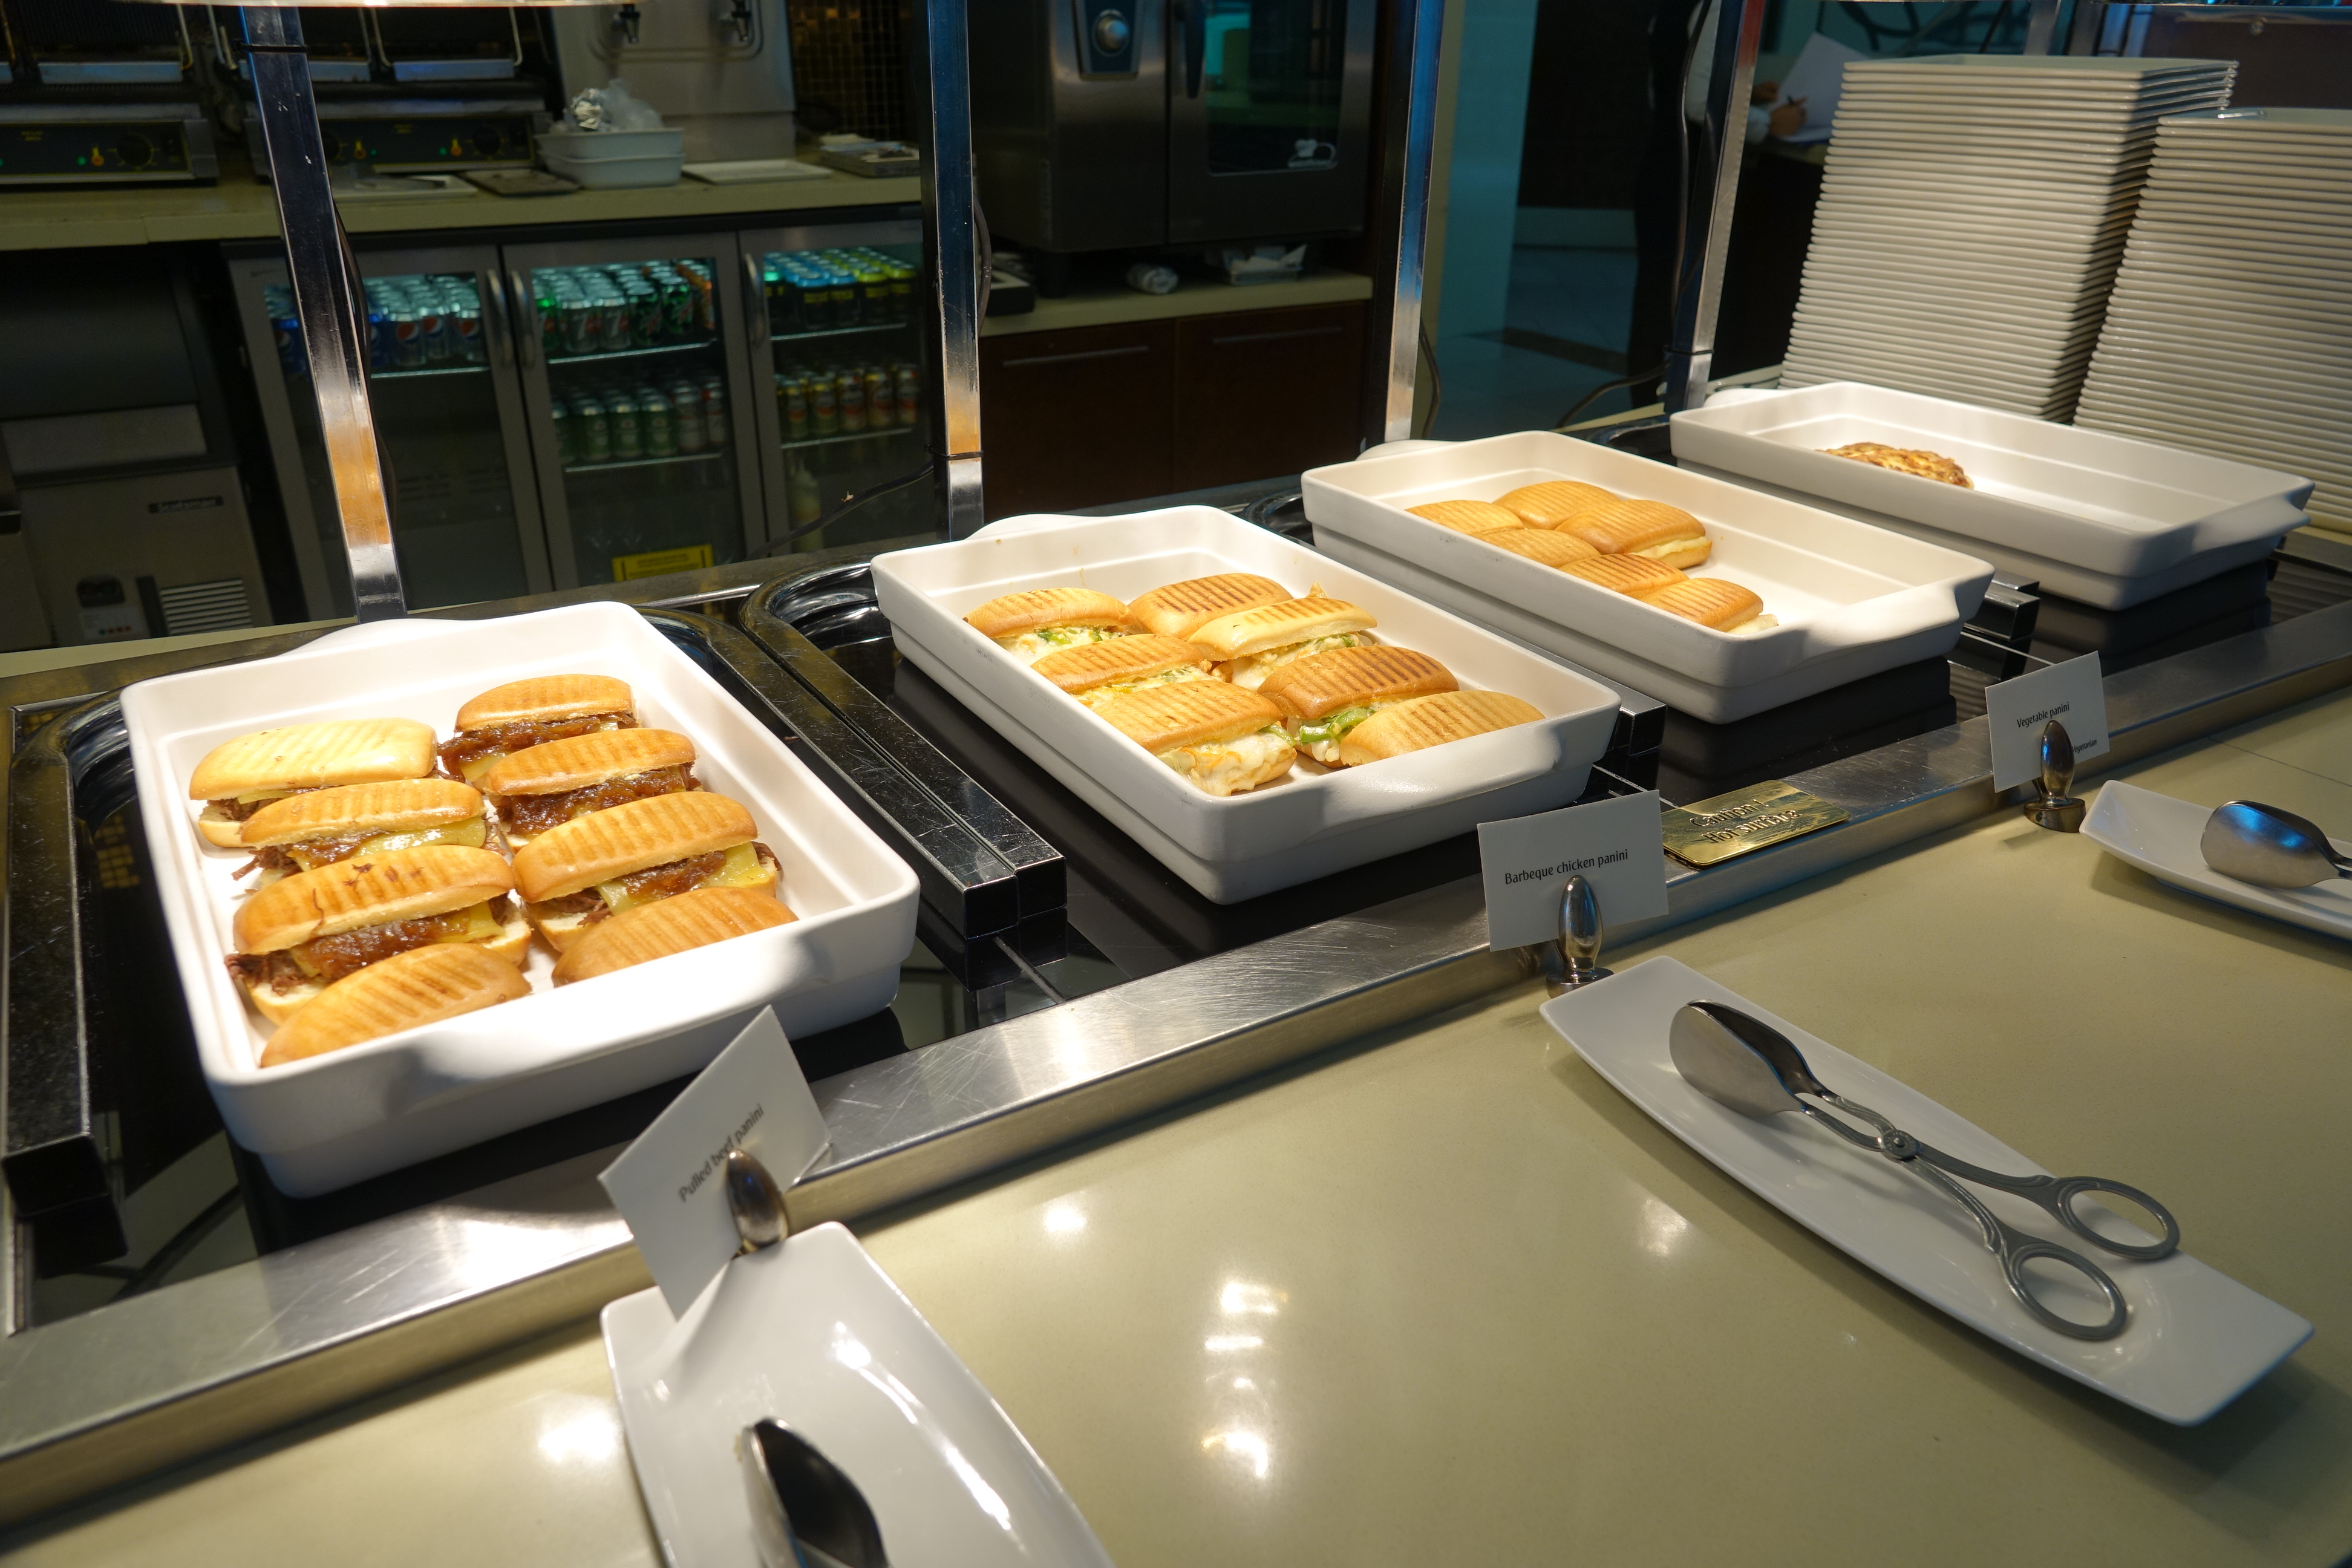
{"type": "Point", "coordinates": [2016, 1249]}
{"type": "Point", "coordinates": [2056, 1195]}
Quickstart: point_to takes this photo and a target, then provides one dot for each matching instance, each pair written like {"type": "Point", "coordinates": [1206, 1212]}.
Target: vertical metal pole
{"type": "Point", "coordinates": [325, 296]}
{"type": "Point", "coordinates": [1424, 26]}
{"type": "Point", "coordinates": [1690, 363]}
{"type": "Point", "coordinates": [948, 201]}
{"type": "Point", "coordinates": [2040, 26]}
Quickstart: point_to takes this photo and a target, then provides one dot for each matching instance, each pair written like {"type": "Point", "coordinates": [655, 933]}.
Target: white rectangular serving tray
{"type": "Point", "coordinates": [811, 1334]}
{"type": "Point", "coordinates": [1852, 599]}
{"type": "Point", "coordinates": [332, 1120]}
{"type": "Point", "coordinates": [1306, 825]}
{"type": "Point", "coordinates": [2197, 1338]}
{"type": "Point", "coordinates": [2163, 836]}
{"type": "Point", "coordinates": [2103, 518]}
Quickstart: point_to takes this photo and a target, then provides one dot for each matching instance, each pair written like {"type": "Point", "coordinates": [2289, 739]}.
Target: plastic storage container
{"type": "Point", "coordinates": [611, 159]}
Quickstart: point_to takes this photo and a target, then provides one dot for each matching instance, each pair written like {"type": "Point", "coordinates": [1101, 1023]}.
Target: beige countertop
{"type": "Point", "coordinates": [1097, 307]}
{"type": "Point", "coordinates": [1447, 1298]}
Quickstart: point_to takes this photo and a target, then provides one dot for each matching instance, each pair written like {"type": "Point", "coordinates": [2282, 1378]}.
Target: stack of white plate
{"type": "Point", "coordinates": [1971, 218]}
{"type": "Point", "coordinates": [2229, 332]}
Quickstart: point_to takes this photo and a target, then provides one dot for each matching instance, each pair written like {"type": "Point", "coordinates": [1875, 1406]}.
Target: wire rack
{"type": "Point", "coordinates": [849, 69]}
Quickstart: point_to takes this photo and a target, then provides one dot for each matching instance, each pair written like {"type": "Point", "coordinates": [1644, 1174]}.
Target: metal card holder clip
{"type": "Point", "coordinates": [756, 1202]}
{"type": "Point", "coordinates": [1575, 959]}
{"type": "Point", "coordinates": [2053, 808]}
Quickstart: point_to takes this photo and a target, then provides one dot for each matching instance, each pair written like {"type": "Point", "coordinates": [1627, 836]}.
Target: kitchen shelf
{"type": "Point", "coordinates": [839, 332]}
{"type": "Point", "coordinates": [646, 462]}
{"type": "Point", "coordinates": [554, 360]}
{"type": "Point", "coordinates": [866, 435]}
{"type": "Point", "coordinates": [413, 372]}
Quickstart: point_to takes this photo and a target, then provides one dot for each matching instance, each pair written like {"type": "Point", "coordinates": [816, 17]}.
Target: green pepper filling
{"type": "Point", "coordinates": [1333, 726]}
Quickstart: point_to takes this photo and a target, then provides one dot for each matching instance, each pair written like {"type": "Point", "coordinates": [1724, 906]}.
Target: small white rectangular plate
{"type": "Point", "coordinates": [2160, 835]}
{"type": "Point", "coordinates": [2197, 1338]}
{"type": "Point", "coordinates": [754, 171]}
{"type": "Point", "coordinates": [811, 1334]}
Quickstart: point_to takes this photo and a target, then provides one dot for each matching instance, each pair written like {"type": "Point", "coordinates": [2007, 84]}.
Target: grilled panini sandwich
{"type": "Point", "coordinates": [1635, 574]}
{"type": "Point", "coordinates": [1715, 603]}
{"type": "Point", "coordinates": [524, 713]}
{"type": "Point", "coordinates": [1222, 738]}
{"type": "Point", "coordinates": [1326, 695]}
{"type": "Point", "coordinates": [1180, 609]}
{"type": "Point", "coordinates": [1912, 460]}
{"type": "Point", "coordinates": [1252, 644]}
{"type": "Point", "coordinates": [1554, 501]}
{"type": "Point", "coordinates": [302, 933]}
{"type": "Point", "coordinates": [321, 826]}
{"type": "Point", "coordinates": [535, 789]}
{"type": "Point", "coordinates": [1551, 546]}
{"type": "Point", "coordinates": [1426, 721]}
{"type": "Point", "coordinates": [1468, 516]}
{"type": "Point", "coordinates": [654, 931]}
{"type": "Point", "coordinates": [608, 862]}
{"type": "Point", "coordinates": [422, 986]}
{"type": "Point", "coordinates": [1649, 529]}
{"type": "Point", "coordinates": [1035, 623]}
{"type": "Point", "coordinates": [1097, 672]}
{"type": "Point", "coordinates": [237, 778]}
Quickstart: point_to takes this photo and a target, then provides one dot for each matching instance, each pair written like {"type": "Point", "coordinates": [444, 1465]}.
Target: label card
{"type": "Point", "coordinates": [670, 1184]}
{"type": "Point", "coordinates": [1615, 845]}
{"type": "Point", "coordinates": [2074, 693]}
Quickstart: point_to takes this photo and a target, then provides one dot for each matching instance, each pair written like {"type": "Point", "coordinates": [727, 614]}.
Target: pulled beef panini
{"type": "Point", "coordinates": [534, 790]}
{"type": "Point", "coordinates": [1426, 721]}
{"type": "Point", "coordinates": [422, 986]}
{"type": "Point", "coordinates": [1649, 529]}
{"type": "Point", "coordinates": [1180, 609]}
{"type": "Point", "coordinates": [1635, 574]}
{"type": "Point", "coordinates": [1554, 501]}
{"type": "Point", "coordinates": [1468, 516]}
{"type": "Point", "coordinates": [1035, 623]}
{"type": "Point", "coordinates": [591, 868]}
{"type": "Point", "coordinates": [1919, 464]}
{"type": "Point", "coordinates": [524, 713]}
{"type": "Point", "coordinates": [321, 826]}
{"type": "Point", "coordinates": [1323, 696]}
{"type": "Point", "coordinates": [1714, 603]}
{"type": "Point", "coordinates": [691, 920]}
{"type": "Point", "coordinates": [1097, 673]}
{"type": "Point", "coordinates": [237, 778]}
{"type": "Point", "coordinates": [1252, 644]}
{"type": "Point", "coordinates": [1221, 738]}
{"type": "Point", "coordinates": [302, 933]}
{"type": "Point", "coordinates": [1550, 546]}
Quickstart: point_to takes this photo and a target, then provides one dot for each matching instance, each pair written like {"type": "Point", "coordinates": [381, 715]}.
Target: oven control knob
{"type": "Point", "coordinates": [1111, 33]}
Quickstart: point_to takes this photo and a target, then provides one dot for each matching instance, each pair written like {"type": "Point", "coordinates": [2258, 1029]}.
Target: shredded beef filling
{"type": "Point", "coordinates": [275, 970]}
{"type": "Point", "coordinates": [537, 812]}
{"type": "Point", "coordinates": [337, 956]}
{"type": "Point", "coordinates": [322, 851]}
{"type": "Point", "coordinates": [653, 882]}
{"type": "Point", "coordinates": [239, 810]}
{"type": "Point", "coordinates": [501, 738]}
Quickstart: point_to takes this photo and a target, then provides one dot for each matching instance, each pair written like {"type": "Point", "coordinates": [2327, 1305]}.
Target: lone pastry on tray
{"type": "Point", "coordinates": [1914, 462]}
{"type": "Point", "coordinates": [1553, 502]}
{"type": "Point", "coordinates": [1252, 644]}
{"type": "Point", "coordinates": [1222, 739]}
{"type": "Point", "coordinates": [1649, 529]}
{"type": "Point", "coordinates": [1038, 621]}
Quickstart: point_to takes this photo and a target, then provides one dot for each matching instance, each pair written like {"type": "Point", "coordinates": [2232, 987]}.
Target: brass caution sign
{"type": "Point", "coordinates": [1709, 832]}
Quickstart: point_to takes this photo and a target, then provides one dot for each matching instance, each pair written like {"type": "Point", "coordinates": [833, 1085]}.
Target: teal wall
{"type": "Point", "coordinates": [1482, 183]}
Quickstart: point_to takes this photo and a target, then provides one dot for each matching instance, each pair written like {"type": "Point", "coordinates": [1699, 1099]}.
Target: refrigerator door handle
{"type": "Point", "coordinates": [755, 306]}
{"type": "Point", "coordinates": [502, 335]}
{"type": "Point", "coordinates": [526, 336]}
{"type": "Point", "coordinates": [1194, 17]}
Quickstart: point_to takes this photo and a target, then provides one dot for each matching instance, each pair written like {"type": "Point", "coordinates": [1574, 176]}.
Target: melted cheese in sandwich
{"type": "Point", "coordinates": [1250, 672]}
{"type": "Point", "coordinates": [1177, 677]}
{"type": "Point", "coordinates": [1031, 646]}
{"type": "Point", "coordinates": [1749, 628]}
{"type": "Point", "coordinates": [1320, 740]}
{"type": "Point", "coordinates": [742, 869]}
{"type": "Point", "coordinates": [1224, 767]}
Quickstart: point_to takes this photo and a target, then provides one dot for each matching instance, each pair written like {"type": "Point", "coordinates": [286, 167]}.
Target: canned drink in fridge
{"type": "Point", "coordinates": [824, 406]}
{"type": "Point", "coordinates": [851, 397]}
{"type": "Point", "coordinates": [654, 413]}
{"type": "Point", "coordinates": [793, 394]}
{"type": "Point", "coordinates": [678, 308]}
{"type": "Point", "coordinates": [844, 286]}
{"type": "Point", "coordinates": [617, 326]}
{"type": "Point", "coordinates": [594, 437]}
{"type": "Point", "coordinates": [714, 414]}
{"type": "Point", "coordinates": [466, 323]}
{"type": "Point", "coordinates": [584, 325]}
{"type": "Point", "coordinates": [566, 445]}
{"type": "Point", "coordinates": [407, 341]}
{"type": "Point", "coordinates": [910, 394]}
{"type": "Point", "coordinates": [685, 415]}
{"type": "Point", "coordinates": [429, 324]}
{"type": "Point", "coordinates": [628, 432]}
{"type": "Point", "coordinates": [881, 400]}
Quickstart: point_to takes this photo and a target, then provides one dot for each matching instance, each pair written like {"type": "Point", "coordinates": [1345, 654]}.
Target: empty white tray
{"type": "Point", "coordinates": [2163, 836]}
{"type": "Point", "coordinates": [331, 1119]}
{"type": "Point", "coordinates": [2103, 518]}
{"type": "Point", "coordinates": [1852, 599]}
{"type": "Point", "coordinates": [1305, 824]}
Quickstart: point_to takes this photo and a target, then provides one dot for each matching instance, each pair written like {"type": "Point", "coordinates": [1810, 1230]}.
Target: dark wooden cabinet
{"type": "Point", "coordinates": [1094, 416]}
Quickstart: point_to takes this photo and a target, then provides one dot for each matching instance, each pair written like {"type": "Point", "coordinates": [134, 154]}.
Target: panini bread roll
{"type": "Point", "coordinates": [1553, 547]}
{"type": "Point", "coordinates": [1222, 738]}
{"type": "Point", "coordinates": [1650, 529]}
{"type": "Point", "coordinates": [1035, 623]}
{"type": "Point", "coordinates": [535, 789]}
{"type": "Point", "coordinates": [321, 826]}
{"type": "Point", "coordinates": [1253, 644]}
{"type": "Point", "coordinates": [524, 713]}
{"type": "Point", "coordinates": [237, 778]}
{"type": "Point", "coordinates": [1097, 673]}
{"type": "Point", "coordinates": [654, 931]}
{"type": "Point", "coordinates": [422, 986]}
{"type": "Point", "coordinates": [300, 935]}
{"type": "Point", "coordinates": [1468, 516]}
{"type": "Point", "coordinates": [1326, 695]}
{"type": "Point", "coordinates": [1180, 609]}
{"type": "Point", "coordinates": [1554, 501]}
{"type": "Point", "coordinates": [1427, 722]}
{"type": "Point", "coordinates": [1712, 602]}
{"type": "Point", "coordinates": [1914, 462]}
{"type": "Point", "coordinates": [1635, 574]}
{"type": "Point", "coordinates": [608, 862]}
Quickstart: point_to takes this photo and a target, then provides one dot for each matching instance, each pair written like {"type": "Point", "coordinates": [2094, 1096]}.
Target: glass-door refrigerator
{"type": "Point", "coordinates": [634, 355]}
{"type": "Point", "coordinates": [449, 420]}
{"type": "Point", "coordinates": [842, 405]}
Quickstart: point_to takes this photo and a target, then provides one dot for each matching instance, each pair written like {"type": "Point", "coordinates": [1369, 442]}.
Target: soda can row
{"type": "Point", "coordinates": [423, 320]}
{"type": "Point", "coordinates": [622, 424]}
{"type": "Point", "coordinates": [847, 402]}
{"type": "Point", "coordinates": [610, 310]}
{"type": "Point", "coordinates": [823, 290]}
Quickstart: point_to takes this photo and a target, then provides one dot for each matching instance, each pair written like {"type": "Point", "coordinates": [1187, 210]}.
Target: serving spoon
{"type": "Point", "coordinates": [2269, 848]}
